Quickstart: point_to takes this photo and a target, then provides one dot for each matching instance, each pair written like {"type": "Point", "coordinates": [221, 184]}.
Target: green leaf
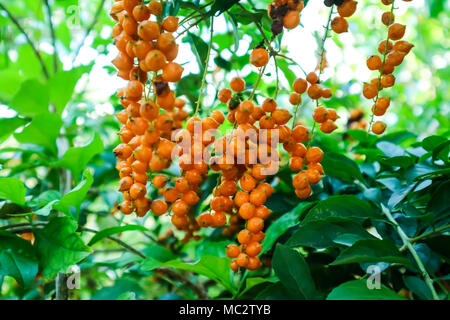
{"type": "Point", "coordinates": [31, 99]}
{"type": "Point", "coordinates": [220, 6]}
{"type": "Point", "coordinates": [199, 48]}
{"type": "Point", "coordinates": [358, 290]}
{"type": "Point", "coordinates": [12, 189]}
{"type": "Point", "coordinates": [59, 246]}
{"type": "Point", "coordinates": [17, 259]}
{"type": "Point", "coordinates": [293, 272]}
{"type": "Point", "coordinates": [282, 224]}
{"type": "Point", "coordinates": [324, 234]}
{"type": "Point", "coordinates": [371, 251]}
{"type": "Point", "coordinates": [339, 166]}
{"type": "Point", "coordinates": [156, 256]}
{"type": "Point", "coordinates": [9, 125]}
{"type": "Point", "coordinates": [338, 208]}
{"type": "Point", "coordinates": [43, 130]}
{"type": "Point", "coordinates": [214, 268]}
{"type": "Point", "coordinates": [10, 81]}
{"type": "Point", "coordinates": [251, 283]}
{"type": "Point", "coordinates": [75, 159]}
{"type": "Point", "coordinates": [114, 230]}
{"type": "Point", "coordinates": [288, 73]}
{"type": "Point", "coordinates": [76, 196]}
{"type": "Point", "coordinates": [62, 85]}
{"type": "Point", "coordinates": [418, 287]}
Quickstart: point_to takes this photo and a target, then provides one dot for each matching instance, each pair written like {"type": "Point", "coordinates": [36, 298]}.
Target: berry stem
{"type": "Point", "coordinates": [381, 69]}
{"type": "Point", "coordinates": [205, 71]}
{"type": "Point", "coordinates": [261, 72]}
{"type": "Point", "coordinates": [322, 54]}
{"type": "Point", "coordinates": [19, 26]}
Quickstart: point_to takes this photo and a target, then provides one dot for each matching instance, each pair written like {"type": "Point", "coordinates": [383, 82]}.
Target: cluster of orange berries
{"type": "Point", "coordinates": [325, 116]}
{"type": "Point", "coordinates": [393, 55]}
{"type": "Point", "coordinates": [243, 192]}
{"type": "Point", "coordinates": [285, 14]}
{"type": "Point", "coordinates": [146, 44]}
{"type": "Point", "coordinates": [345, 8]}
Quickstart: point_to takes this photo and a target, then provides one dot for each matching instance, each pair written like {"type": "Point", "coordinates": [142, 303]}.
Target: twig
{"type": "Point", "coordinates": [261, 72]}
{"type": "Point", "coordinates": [89, 29]}
{"type": "Point", "coordinates": [19, 26]}
{"type": "Point", "coordinates": [199, 291]}
{"type": "Point", "coordinates": [189, 28]}
{"type": "Point", "coordinates": [431, 233]}
{"type": "Point", "coordinates": [407, 243]}
{"type": "Point", "coordinates": [52, 32]}
{"type": "Point", "coordinates": [205, 71]}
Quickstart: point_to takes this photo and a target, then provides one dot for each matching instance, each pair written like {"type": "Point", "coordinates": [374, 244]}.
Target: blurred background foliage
{"type": "Point", "coordinates": [57, 108]}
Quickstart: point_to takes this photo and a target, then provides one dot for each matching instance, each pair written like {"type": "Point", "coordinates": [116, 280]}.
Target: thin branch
{"type": "Point", "coordinates": [19, 26]}
{"type": "Point", "coordinates": [189, 28]}
{"type": "Point", "coordinates": [89, 29]}
{"type": "Point", "coordinates": [261, 72]}
{"type": "Point", "coordinates": [52, 32]}
{"type": "Point", "coordinates": [412, 250]}
{"type": "Point", "coordinates": [205, 71]}
{"type": "Point", "coordinates": [431, 233]}
{"type": "Point", "coordinates": [199, 291]}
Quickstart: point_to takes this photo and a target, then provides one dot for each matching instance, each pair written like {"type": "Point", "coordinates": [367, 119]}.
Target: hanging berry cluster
{"type": "Point", "coordinates": [151, 111]}
{"type": "Point", "coordinates": [345, 8]}
{"type": "Point", "coordinates": [393, 51]}
{"type": "Point", "coordinates": [285, 14]}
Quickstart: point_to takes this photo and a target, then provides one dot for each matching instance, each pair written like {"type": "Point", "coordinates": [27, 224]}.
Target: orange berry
{"type": "Point", "coordinates": [374, 62]}
{"type": "Point", "coordinates": [295, 98]}
{"type": "Point", "coordinates": [339, 25]}
{"type": "Point", "coordinates": [205, 220]}
{"type": "Point", "coordinates": [300, 85]}
{"type": "Point", "coordinates": [328, 126]}
{"type": "Point", "coordinates": [232, 251]}
{"type": "Point", "coordinates": [160, 180]}
{"type": "Point", "coordinates": [347, 8]}
{"type": "Point", "coordinates": [262, 212]}
{"type": "Point", "coordinates": [303, 193]}
{"type": "Point", "coordinates": [242, 260]}
{"type": "Point", "coordinates": [387, 18]}
{"type": "Point", "coordinates": [234, 265]}
{"type": "Point", "coordinates": [170, 24]}
{"type": "Point", "coordinates": [300, 133]}
{"type": "Point", "coordinates": [295, 164]}
{"type": "Point", "coordinates": [148, 30]}
{"type": "Point", "coordinates": [155, 7]}
{"type": "Point", "coordinates": [259, 57]}
{"type": "Point", "coordinates": [219, 219]}
{"type": "Point", "coordinates": [224, 95]}
{"type": "Point", "coordinates": [313, 155]}
{"type": "Point", "coordinates": [291, 19]}
{"type": "Point", "coordinates": [155, 60]}
{"type": "Point", "coordinates": [300, 180]}
{"type": "Point", "coordinates": [237, 84]}
{"type": "Point", "coordinates": [137, 190]}
{"type": "Point", "coordinates": [253, 262]}
{"type": "Point", "coordinates": [269, 105]}
{"type": "Point", "coordinates": [315, 91]}
{"type": "Point", "coordinates": [247, 210]}
{"type": "Point", "coordinates": [396, 31]}
{"type": "Point", "coordinates": [255, 224]}
{"type": "Point", "coordinates": [244, 236]}
{"type": "Point", "coordinates": [172, 72]}
{"type": "Point", "coordinates": [378, 127]}
{"type": "Point", "coordinates": [253, 249]}
{"type": "Point", "coordinates": [126, 207]}
{"type": "Point", "coordinates": [370, 91]}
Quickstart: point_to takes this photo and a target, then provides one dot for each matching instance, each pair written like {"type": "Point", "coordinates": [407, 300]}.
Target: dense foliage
{"type": "Point", "coordinates": [381, 210]}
